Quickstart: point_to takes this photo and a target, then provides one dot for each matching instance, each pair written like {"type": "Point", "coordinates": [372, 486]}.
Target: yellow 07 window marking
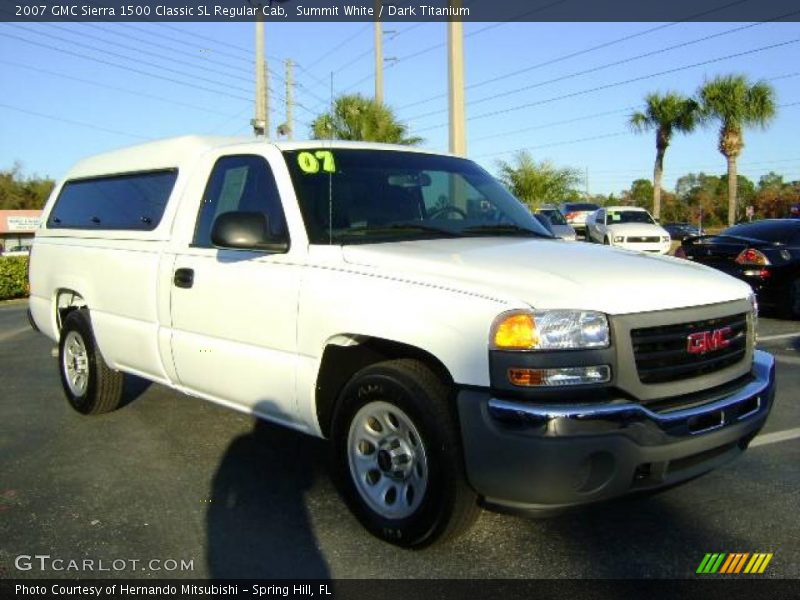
{"type": "Point", "coordinates": [311, 162]}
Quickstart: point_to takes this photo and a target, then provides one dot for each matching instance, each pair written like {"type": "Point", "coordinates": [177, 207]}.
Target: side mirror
{"type": "Point", "coordinates": [245, 231]}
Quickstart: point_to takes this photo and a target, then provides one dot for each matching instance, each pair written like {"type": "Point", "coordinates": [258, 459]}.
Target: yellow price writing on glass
{"type": "Point", "coordinates": [311, 162]}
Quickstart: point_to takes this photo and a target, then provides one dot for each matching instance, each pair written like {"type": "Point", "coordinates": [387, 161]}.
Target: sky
{"type": "Point", "coordinates": [562, 90]}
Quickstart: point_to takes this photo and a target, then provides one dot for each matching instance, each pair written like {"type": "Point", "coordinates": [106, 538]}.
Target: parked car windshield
{"type": "Point", "coordinates": [556, 218]}
{"type": "Point", "coordinates": [628, 216]}
{"type": "Point", "coordinates": [349, 196]}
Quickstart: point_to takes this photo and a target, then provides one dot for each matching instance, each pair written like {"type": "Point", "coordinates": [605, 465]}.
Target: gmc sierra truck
{"type": "Point", "coordinates": [407, 307]}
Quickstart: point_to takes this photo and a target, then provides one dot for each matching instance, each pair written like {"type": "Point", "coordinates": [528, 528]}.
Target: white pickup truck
{"type": "Point", "coordinates": [404, 305]}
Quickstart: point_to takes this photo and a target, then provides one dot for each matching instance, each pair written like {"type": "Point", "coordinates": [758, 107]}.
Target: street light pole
{"type": "Point", "coordinates": [378, 54]}
{"type": "Point", "coordinates": [455, 55]}
{"type": "Point", "coordinates": [261, 121]}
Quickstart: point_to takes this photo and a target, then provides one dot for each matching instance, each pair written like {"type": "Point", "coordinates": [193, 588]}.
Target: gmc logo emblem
{"type": "Point", "coordinates": [708, 341]}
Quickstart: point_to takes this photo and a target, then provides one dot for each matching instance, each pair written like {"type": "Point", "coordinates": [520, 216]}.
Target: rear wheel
{"type": "Point", "coordinates": [398, 458]}
{"type": "Point", "coordinates": [90, 386]}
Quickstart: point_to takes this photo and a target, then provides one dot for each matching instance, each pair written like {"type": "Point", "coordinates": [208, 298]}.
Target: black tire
{"type": "Point", "coordinates": [448, 506]}
{"type": "Point", "coordinates": [606, 242]}
{"type": "Point", "coordinates": [101, 392]}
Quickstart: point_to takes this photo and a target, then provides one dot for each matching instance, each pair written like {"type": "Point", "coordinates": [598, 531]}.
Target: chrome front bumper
{"type": "Point", "coordinates": [540, 456]}
{"type": "Point", "coordinates": [555, 420]}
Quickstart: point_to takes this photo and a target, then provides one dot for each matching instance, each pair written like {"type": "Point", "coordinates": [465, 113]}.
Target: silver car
{"type": "Point", "coordinates": [558, 224]}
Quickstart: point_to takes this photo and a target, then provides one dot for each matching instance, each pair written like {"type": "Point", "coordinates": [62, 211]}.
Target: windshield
{"type": "Point", "coordinates": [629, 216]}
{"type": "Point", "coordinates": [363, 196]}
{"type": "Point", "coordinates": [556, 218]}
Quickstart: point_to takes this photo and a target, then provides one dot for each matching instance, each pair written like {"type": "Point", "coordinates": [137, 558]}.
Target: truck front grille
{"type": "Point", "coordinates": [653, 239]}
{"type": "Point", "coordinates": [662, 353]}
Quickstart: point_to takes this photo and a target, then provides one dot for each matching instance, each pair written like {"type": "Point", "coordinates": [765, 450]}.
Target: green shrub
{"type": "Point", "coordinates": [13, 277]}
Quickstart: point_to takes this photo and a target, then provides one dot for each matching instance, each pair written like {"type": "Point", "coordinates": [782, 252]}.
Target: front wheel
{"type": "Point", "coordinates": [398, 458]}
{"type": "Point", "coordinates": [90, 385]}
{"type": "Point", "coordinates": [606, 241]}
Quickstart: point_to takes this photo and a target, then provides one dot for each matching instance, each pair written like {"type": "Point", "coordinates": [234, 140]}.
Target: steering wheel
{"type": "Point", "coordinates": [450, 208]}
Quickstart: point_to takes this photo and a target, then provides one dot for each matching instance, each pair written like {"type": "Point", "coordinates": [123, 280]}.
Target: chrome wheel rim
{"type": "Point", "coordinates": [76, 363]}
{"type": "Point", "coordinates": [387, 460]}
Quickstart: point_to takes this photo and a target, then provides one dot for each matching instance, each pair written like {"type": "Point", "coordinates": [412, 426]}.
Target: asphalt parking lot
{"type": "Point", "coordinates": [171, 477]}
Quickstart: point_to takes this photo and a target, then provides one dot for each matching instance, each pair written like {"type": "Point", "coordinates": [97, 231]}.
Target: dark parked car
{"type": "Point", "coordinates": [680, 231]}
{"type": "Point", "coordinates": [765, 254]}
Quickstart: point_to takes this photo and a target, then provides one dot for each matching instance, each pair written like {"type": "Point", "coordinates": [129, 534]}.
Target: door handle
{"type": "Point", "coordinates": [184, 278]}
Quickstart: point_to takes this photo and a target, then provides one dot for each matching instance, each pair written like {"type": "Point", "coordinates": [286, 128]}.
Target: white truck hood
{"type": "Point", "coordinates": [636, 229]}
{"type": "Point", "coordinates": [552, 274]}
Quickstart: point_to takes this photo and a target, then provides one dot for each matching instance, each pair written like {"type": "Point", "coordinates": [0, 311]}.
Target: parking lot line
{"type": "Point", "coordinates": [775, 437]}
{"type": "Point", "coordinates": [14, 332]}
{"type": "Point", "coordinates": [779, 336]}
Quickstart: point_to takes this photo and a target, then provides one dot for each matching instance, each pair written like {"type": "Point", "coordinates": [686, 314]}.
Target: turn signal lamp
{"type": "Point", "coordinates": [516, 332]}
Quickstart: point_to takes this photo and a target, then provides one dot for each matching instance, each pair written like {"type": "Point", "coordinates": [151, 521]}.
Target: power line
{"type": "Point", "coordinates": [605, 136]}
{"type": "Point", "coordinates": [72, 122]}
{"type": "Point", "coordinates": [577, 53]}
{"type": "Point", "coordinates": [122, 56]}
{"type": "Point", "coordinates": [336, 48]}
{"type": "Point", "coordinates": [123, 67]}
{"type": "Point", "coordinates": [591, 138]}
{"type": "Point", "coordinates": [146, 52]}
{"type": "Point", "coordinates": [600, 114]}
{"type": "Point", "coordinates": [112, 87]}
{"type": "Point", "coordinates": [602, 67]}
{"type": "Point", "coordinates": [554, 123]}
{"type": "Point", "coordinates": [205, 57]}
{"type": "Point", "coordinates": [619, 83]}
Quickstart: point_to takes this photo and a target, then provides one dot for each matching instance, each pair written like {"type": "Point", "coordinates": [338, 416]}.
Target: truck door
{"type": "Point", "coordinates": [234, 311]}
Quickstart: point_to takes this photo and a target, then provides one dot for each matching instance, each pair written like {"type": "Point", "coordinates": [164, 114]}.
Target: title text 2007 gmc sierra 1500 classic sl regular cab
{"type": "Point", "coordinates": [404, 305]}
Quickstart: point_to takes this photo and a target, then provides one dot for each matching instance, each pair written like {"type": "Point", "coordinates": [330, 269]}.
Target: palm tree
{"type": "Point", "coordinates": [666, 114]}
{"type": "Point", "coordinates": [355, 117]}
{"type": "Point", "coordinates": [737, 104]}
{"type": "Point", "coordinates": [536, 182]}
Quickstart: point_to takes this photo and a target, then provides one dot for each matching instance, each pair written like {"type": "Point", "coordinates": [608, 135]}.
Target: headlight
{"type": "Point", "coordinates": [665, 239]}
{"type": "Point", "coordinates": [618, 239]}
{"type": "Point", "coordinates": [549, 330]}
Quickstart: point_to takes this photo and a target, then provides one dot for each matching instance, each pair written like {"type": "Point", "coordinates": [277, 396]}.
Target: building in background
{"type": "Point", "coordinates": [17, 228]}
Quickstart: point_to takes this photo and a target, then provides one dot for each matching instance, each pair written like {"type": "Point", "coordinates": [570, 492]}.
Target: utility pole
{"type": "Point", "coordinates": [455, 55]}
{"type": "Point", "coordinates": [261, 121]}
{"type": "Point", "coordinates": [378, 54]}
{"type": "Point", "coordinates": [289, 99]}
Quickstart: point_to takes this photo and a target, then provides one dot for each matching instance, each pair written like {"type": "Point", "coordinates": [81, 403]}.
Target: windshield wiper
{"type": "Point", "coordinates": [394, 227]}
{"type": "Point", "coordinates": [504, 229]}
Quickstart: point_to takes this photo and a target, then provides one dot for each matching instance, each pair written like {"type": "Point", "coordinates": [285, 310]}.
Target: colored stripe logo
{"type": "Point", "coordinates": [734, 563]}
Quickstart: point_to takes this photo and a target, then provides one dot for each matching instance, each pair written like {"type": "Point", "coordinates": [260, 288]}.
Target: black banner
{"type": "Point", "coordinates": [399, 10]}
{"type": "Point", "coordinates": [727, 588]}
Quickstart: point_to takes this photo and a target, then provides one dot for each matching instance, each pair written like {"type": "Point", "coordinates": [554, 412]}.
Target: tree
{"type": "Point", "coordinates": [770, 180]}
{"type": "Point", "coordinates": [640, 194]}
{"type": "Point", "coordinates": [539, 182]}
{"type": "Point", "coordinates": [736, 103]}
{"type": "Point", "coordinates": [20, 192]}
{"type": "Point", "coordinates": [665, 114]}
{"type": "Point", "coordinates": [357, 118]}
